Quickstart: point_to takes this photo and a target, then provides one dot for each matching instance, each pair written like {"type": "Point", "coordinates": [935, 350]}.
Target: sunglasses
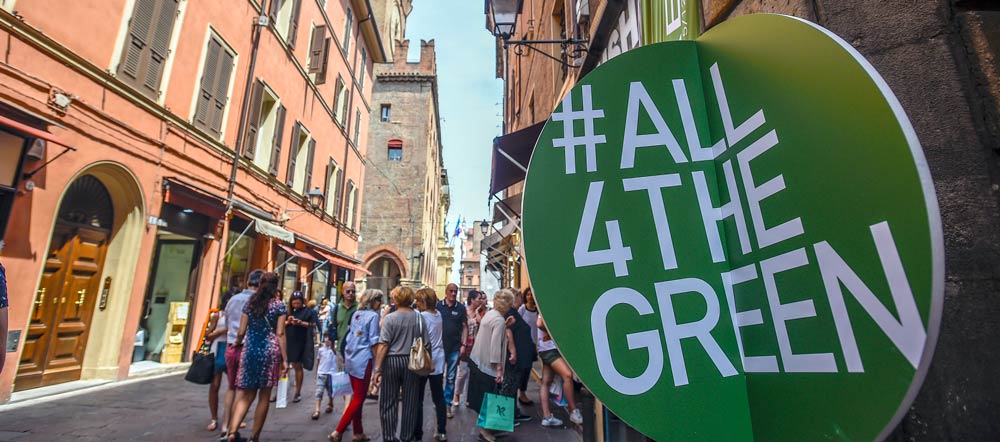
{"type": "Point", "coordinates": [349, 291]}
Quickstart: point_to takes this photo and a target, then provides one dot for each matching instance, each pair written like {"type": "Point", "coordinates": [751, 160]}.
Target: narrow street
{"type": "Point", "coordinates": [170, 409]}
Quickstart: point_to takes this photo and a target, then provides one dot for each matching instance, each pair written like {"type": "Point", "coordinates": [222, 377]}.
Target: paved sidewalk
{"type": "Point", "coordinates": [170, 409]}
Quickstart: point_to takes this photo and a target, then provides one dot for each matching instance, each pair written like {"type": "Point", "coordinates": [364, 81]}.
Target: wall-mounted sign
{"type": "Point", "coordinates": [105, 291]}
{"type": "Point", "coordinates": [753, 251]}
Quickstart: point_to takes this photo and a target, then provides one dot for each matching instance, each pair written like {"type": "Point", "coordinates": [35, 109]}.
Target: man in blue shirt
{"type": "Point", "coordinates": [454, 328]}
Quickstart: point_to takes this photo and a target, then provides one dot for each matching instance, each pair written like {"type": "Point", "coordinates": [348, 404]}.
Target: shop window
{"type": "Point", "coordinates": [265, 129]}
{"type": "Point", "coordinates": [395, 150]}
{"type": "Point", "coordinates": [386, 113]}
{"type": "Point", "coordinates": [213, 92]}
{"type": "Point", "coordinates": [237, 263]}
{"type": "Point", "coordinates": [320, 283]}
{"type": "Point", "coordinates": [289, 271]}
{"type": "Point", "coordinates": [147, 45]}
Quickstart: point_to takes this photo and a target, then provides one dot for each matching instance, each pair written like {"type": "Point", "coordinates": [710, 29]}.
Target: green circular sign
{"type": "Point", "coordinates": [737, 238]}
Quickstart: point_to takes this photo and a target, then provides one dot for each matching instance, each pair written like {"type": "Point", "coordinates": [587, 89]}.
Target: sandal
{"type": "Point", "coordinates": [329, 408]}
{"type": "Point", "coordinates": [298, 398]}
{"type": "Point", "coordinates": [336, 437]}
{"type": "Point", "coordinates": [315, 415]}
{"type": "Point", "coordinates": [213, 425]}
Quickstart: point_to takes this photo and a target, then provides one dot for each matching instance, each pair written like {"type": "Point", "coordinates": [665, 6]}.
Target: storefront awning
{"type": "Point", "coordinates": [511, 154]}
{"type": "Point", "coordinates": [273, 230]}
{"type": "Point", "coordinates": [341, 261]}
{"type": "Point", "coordinates": [507, 209]}
{"type": "Point", "coordinates": [183, 195]}
{"type": "Point", "coordinates": [297, 253]}
{"type": "Point", "coordinates": [494, 239]}
{"type": "Point", "coordinates": [33, 132]}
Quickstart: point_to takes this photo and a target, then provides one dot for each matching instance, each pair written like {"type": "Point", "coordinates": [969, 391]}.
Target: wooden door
{"type": "Point", "coordinates": [64, 305]}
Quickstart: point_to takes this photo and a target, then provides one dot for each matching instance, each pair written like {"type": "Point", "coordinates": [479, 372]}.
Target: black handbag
{"type": "Point", "coordinates": [202, 368]}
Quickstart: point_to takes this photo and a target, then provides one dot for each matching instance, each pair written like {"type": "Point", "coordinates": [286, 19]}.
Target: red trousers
{"type": "Point", "coordinates": [352, 415]}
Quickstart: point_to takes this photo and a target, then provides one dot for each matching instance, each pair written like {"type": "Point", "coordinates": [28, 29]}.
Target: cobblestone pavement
{"type": "Point", "coordinates": [170, 409]}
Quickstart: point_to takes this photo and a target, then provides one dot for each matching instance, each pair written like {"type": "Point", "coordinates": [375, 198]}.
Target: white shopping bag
{"type": "Point", "coordinates": [556, 391]}
{"type": "Point", "coordinates": [282, 400]}
{"type": "Point", "coordinates": [341, 383]}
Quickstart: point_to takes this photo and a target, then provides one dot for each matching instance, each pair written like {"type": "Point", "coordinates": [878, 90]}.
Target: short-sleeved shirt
{"type": "Point", "coordinates": [432, 322]}
{"type": "Point", "coordinates": [3, 287]}
{"type": "Point", "coordinates": [399, 329]}
{"type": "Point", "coordinates": [362, 336]}
{"type": "Point", "coordinates": [342, 320]}
{"type": "Point", "coordinates": [234, 313]}
{"type": "Point", "coordinates": [453, 321]}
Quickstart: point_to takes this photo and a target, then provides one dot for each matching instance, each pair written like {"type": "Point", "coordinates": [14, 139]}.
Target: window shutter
{"type": "Point", "coordinates": [207, 88]}
{"type": "Point", "coordinates": [138, 35]}
{"type": "Point", "coordinates": [273, 11]}
{"type": "Point", "coordinates": [357, 125]}
{"type": "Point", "coordinates": [309, 167]}
{"type": "Point", "coordinates": [327, 179]}
{"type": "Point", "coordinates": [221, 94]}
{"type": "Point", "coordinates": [347, 210]}
{"type": "Point", "coordinates": [293, 153]}
{"type": "Point", "coordinates": [339, 200]}
{"type": "Point", "coordinates": [347, 31]}
{"type": "Point", "coordinates": [342, 116]}
{"type": "Point", "coordinates": [316, 49]}
{"type": "Point", "coordinates": [363, 68]}
{"type": "Point", "coordinates": [336, 97]}
{"type": "Point", "coordinates": [160, 45]}
{"type": "Point", "coordinates": [321, 75]}
{"type": "Point", "coordinates": [279, 131]}
{"type": "Point", "coordinates": [354, 210]}
{"type": "Point", "coordinates": [293, 25]}
{"type": "Point", "coordinates": [253, 120]}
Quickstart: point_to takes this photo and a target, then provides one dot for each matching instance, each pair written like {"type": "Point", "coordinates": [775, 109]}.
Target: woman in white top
{"type": "Point", "coordinates": [528, 312]}
{"type": "Point", "coordinates": [425, 302]}
{"type": "Point", "coordinates": [217, 338]}
{"type": "Point", "coordinates": [554, 364]}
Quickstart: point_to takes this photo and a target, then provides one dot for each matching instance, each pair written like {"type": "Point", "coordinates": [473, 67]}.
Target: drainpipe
{"type": "Point", "coordinates": [240, 135]}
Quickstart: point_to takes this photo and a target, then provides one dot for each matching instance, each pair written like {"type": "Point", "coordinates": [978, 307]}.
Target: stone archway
{"type": "Point", "coordinates": [387, 268]}
{"type": "Point", "coordinates": [93, 247]}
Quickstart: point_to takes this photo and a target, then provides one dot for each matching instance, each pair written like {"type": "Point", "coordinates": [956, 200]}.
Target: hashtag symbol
{"type": "Point", "coordinates": [570, 141]}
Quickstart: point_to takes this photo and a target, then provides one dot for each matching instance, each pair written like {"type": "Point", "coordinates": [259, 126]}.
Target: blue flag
{"type": "Point", "coordinates": [458, 227]}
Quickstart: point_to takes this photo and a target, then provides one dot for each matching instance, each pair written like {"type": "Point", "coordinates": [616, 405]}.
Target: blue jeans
{"type": "Point", "coordinates": [451, 369]}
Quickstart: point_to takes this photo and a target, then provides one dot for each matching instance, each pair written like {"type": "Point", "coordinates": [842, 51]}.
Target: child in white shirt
{"type": "Point", "coordinates": [324, 379]}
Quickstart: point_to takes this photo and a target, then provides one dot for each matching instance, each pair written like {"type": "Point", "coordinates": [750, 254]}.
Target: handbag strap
{"type": "Point", "coordinates": [203, 346]}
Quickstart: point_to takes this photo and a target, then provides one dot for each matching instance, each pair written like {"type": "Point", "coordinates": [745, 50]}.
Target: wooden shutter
{"type": "Point", "coordinates": [273, 11]}
{"type": "Point", "coordinates": [357, 125]}
{"type": "Point", "coordinates": [253, 120]}
{"type": "Point", "coordinates": [293, 153]}
{"type": "Point", "coordinates": [347, 209]}
{"type": "Point", "coordinates": [293, 25]}
{"type": "Point", "coordinates": [327, 179]}
{"type": "Point", "coordinates": [207, 87]}
{"type": "Point", "coordinates": [160, 44]}
{"type": "Point", "coordinates": [316, 49]}
{"type": "Point", "coordinates": [339, 200]}
{"type": "Point", "coordinates": [309, 167]}
{"type": "Point", "coordinates": [221, 95]}
{"type": "Point", "coordinates": [347, 31]}
{"type": "Point", "coordinates": [138, 38]}
{"type": "Point", "coordinates": [279, 131]}
{"type": "Point", "coordinates": [321, 75]}
{"type": "Point", "coordinates": [354, 210]}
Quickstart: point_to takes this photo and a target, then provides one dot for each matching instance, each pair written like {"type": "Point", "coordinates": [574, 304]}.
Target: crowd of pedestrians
{"type": "Point", "coordinates": [373, 343]}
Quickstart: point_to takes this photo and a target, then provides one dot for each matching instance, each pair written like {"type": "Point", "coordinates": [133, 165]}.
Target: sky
{"type": "Point", "coordinates": [470, 98]}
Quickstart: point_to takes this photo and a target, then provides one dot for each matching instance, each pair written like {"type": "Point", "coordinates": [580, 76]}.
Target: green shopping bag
{"type": "Point", "coordinates": [497, 413]}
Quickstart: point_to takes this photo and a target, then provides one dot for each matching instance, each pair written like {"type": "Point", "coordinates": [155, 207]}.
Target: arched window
{"type": "Point", "coordinates": [395, 150]}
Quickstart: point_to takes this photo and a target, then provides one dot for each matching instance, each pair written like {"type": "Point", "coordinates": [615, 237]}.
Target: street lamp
{"type": "Point", "coordinates": [504, 14]}
{"type": "Point", "coordinates": [315, 197]}
{"type": "Point", "coordinates": [484, 227]}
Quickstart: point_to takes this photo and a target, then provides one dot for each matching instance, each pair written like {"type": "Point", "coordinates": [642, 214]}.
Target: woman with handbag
{"type": "Point", "coordinates": [263, 356]}
{"type": "Point", "coordinates": [426, 303]}
{"type": "Point", "coordinates": [217, 339]}
{"type": "Point", "coordinates": [362, 336]}
{"type": "Point", "coordinates": [489, 355]}
{"type": "Point", "coordinates": [402, 334]}
{"type": "Point", "coordinates": [301, 327]}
